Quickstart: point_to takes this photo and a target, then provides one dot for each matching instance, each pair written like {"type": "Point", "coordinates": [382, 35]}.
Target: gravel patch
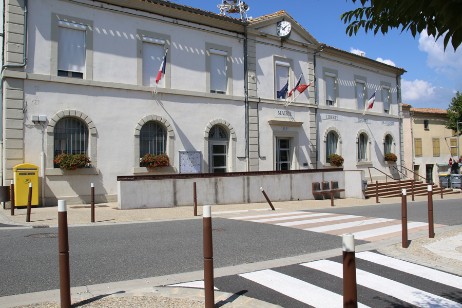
{"type": "Point", "coordinates": [418, 253]}
{"type": "Point", "coordinates": [128, 301]}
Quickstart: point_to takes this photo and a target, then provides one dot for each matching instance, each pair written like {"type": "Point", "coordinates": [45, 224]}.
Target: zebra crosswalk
{"type": "Point", "coordinates": [382, 281]}
{"type": "Point", "coordinates": [363, 228]}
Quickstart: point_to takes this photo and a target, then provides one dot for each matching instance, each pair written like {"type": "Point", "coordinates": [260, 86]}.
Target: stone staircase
{"type": "Point", "coordinates": [393, 189]}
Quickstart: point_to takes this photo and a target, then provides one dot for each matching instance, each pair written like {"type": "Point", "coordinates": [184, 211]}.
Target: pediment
{"type": "Point", "coordinates": [266, 26]}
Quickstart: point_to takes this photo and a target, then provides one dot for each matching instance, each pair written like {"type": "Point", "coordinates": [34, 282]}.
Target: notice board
{"type": "Point", "coordinates": [190, 162]}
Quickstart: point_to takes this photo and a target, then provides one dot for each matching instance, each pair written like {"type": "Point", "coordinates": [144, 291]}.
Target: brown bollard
{"type": "Point", "coordinates": [267, 199]}
{"type": "Point", "coordinates": [195, 198]}
{"type": "Point", "coordinates": [377, 192]}
{"type": "Point", "coordinates": [29, 203]}
{"type": "Point", "coordinates": [208, 257]}
{"type": "Point", "coordinates": [63, 246]}
{"type": "Point", "coordinates": [431, 226]}
{"type": "Point", "coordinates": [12, 198]}
{"type": "Point", "coordinates": [92, 192]}
{"type": "Point", "coordinates": [405, 243]}
{"type": "Point", "coordinates": [413, 183]}
{"type": "Point", "coordinates": [441, 189]}
{"type": "Point", "coordinates": [350, 293]}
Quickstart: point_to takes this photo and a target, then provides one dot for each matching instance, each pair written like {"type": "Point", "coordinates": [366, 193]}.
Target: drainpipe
{"type": "Point", "coordinates": [246, 98]}
{"type": "Point", "coordinates": [316, 101]}
{"type": "Point", "coordinates": [401, 119]}
{"type": "Point", "coordinates": [4, 66]}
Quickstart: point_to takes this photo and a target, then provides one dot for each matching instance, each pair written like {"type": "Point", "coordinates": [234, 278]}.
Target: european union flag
{"type": "Point", "coordinates": [283, 92]}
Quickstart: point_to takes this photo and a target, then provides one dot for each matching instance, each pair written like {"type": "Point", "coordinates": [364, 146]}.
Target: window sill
{"type": "Point", "coordinates": [80, 171]}
{"type": "Point", "coordinates": [158, 170]}
{"type": "Point", "coordinates": [361, 164]}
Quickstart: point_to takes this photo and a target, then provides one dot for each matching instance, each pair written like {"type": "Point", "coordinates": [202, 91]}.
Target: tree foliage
{"type": "Point", "coordinates": [455, 112]}
{"type": "Point", "coordinates": [439, 18]}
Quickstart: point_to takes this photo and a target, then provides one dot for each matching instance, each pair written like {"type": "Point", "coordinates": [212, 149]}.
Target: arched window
{"type": "Point", "coordinates": [331, 144]}
{"type": "Point", "coordinates": [388, 144]}
{"type": "Point", "coordinates": [153, 138]}
{"type": "Point", "coordinates": [218, 149]}
{"type": "Point", "coordinates": [362, 147]}
{"type": "Point", "coordinates": [70, 136]}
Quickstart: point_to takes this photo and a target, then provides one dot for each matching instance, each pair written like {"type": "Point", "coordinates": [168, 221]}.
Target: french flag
{"type": "Point", "coordinates": [161, 71]}
{"type": "Point", "coordinates": [370, 103]}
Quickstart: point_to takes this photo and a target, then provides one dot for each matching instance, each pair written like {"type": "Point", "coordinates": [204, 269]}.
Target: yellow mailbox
{"type": "Point", "coordinates": [24, 174]}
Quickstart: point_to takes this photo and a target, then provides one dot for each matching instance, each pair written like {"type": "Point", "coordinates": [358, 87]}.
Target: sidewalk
{"type": "Point", "coordinates": [146, 293]}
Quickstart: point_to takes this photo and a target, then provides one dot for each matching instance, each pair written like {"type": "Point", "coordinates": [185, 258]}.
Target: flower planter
{"type": "Point", "coordinates": [155, 170]}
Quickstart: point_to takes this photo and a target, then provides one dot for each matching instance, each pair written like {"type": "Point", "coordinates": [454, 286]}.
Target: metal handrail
{"type": "Point", "coordinates": [386, 178]}
{"type": "Point", "coordinates": [425, 179]}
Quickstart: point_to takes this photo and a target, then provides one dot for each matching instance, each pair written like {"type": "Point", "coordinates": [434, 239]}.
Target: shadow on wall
{"type": "Point", "coordinates": [75, 188]}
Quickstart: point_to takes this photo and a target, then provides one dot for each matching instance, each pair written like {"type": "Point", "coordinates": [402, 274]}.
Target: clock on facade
{"type": "Point", "coordinates": [283, 28]}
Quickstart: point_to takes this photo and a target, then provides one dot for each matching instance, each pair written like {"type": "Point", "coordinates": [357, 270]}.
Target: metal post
{"type": "Point", "coordinates": [12, 198]}
{"type": "Point", "coordinates": [431, 227]}
{"type": "Point", "coordinates": [195, 198]}
{"type": "Point", "coordinates": [29, 203]}
{"type": "Point", "coordinates": [267, 199]}
{"type": "Point", "coordinates": [332, 193]}
{"type": "Point", "coordinates": [413, 183]}
{"type": "Point", "coordinates": [405, 243]}
{"type": "Point", "coordinates": [441, 189]}
{"type": "Point", "coordinates": [208, 257]}
{"type": "Point", "coordinates": [63, 246]}
{"type": "Point", "coordinates": [92, 188]}
{"type": "Point", "coordinates": [350, 293]}
{"type": "Point", "coordinates": [377, 192]}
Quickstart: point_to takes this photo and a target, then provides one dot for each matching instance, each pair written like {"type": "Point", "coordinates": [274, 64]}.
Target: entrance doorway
{"type": "Point", "coordinates": [282, 153]}
{"type": "Point", "coordinates": [416, 172]}
{"type": "Point", "coordinates": [429, 173]}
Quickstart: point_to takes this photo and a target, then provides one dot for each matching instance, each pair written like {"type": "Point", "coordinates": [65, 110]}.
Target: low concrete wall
{"type": "Point", "coordinates": [150, 191]}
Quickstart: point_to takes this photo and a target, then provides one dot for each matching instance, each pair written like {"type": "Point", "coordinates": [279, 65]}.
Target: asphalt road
{"type": "Point", "coordinates": [446, 212]}
{"type": "Point", "coordinates": [98, 254]}
{"type": "Point", "coordinates": [369, 293]}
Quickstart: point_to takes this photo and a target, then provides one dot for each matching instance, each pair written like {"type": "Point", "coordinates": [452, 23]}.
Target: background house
{"type": "Point", "coordinates": [429, 143]}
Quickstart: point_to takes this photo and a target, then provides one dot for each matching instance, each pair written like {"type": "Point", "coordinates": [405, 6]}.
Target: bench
{"type": "Point", "coordinates": [326, 190]}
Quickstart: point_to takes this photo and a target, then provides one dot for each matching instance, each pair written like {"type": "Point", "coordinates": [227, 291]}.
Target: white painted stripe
{"type": "Point", "coordinates": [243, 211]}
{"type": "Point", "coordinates": [270, 215]}
{"type": "Point", "coordinates": [363, 235]}
{"type": "Point", "coordinates": [414, 269]}
{"type": "Point", "coordinates": [348, 225]}
{"type": "Point", "coordinates": [387, 286]}
{"type": "Point", "coordinates": [198, 284]}
{"type": "Point", "coordinates": [295, 288]}
{"type": "Point", "coordinates": [313, 221]}
{"type": "Point", "coordinates": [292, 217]}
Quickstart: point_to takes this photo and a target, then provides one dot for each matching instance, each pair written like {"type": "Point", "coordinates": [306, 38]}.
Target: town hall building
{"type": "Point", "coordinates": [116, 80]}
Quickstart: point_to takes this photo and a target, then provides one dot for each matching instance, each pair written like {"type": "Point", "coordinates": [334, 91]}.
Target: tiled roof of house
{"type": "Point", "coordinates": [268, 16]}
{"type": "Point", "coordinates": [182, 7]}
{"type": "Point", "coordinates": [429, 110]}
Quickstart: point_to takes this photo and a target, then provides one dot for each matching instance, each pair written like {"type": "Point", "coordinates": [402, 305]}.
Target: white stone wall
{"type": "Point", "coordinates": [151, 193]}
{"type": "Point", "coordinates": [117, 104]}
{"type": "Point", "coordinates": [348, 121]}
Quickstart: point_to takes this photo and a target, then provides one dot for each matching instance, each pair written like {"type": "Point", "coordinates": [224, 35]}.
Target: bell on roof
{"type": "Point", "coordinates": [232, 7]}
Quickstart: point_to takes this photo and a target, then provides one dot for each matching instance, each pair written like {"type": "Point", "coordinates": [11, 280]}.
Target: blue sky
{"type": "Point", "coordinates": [433, 75]}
